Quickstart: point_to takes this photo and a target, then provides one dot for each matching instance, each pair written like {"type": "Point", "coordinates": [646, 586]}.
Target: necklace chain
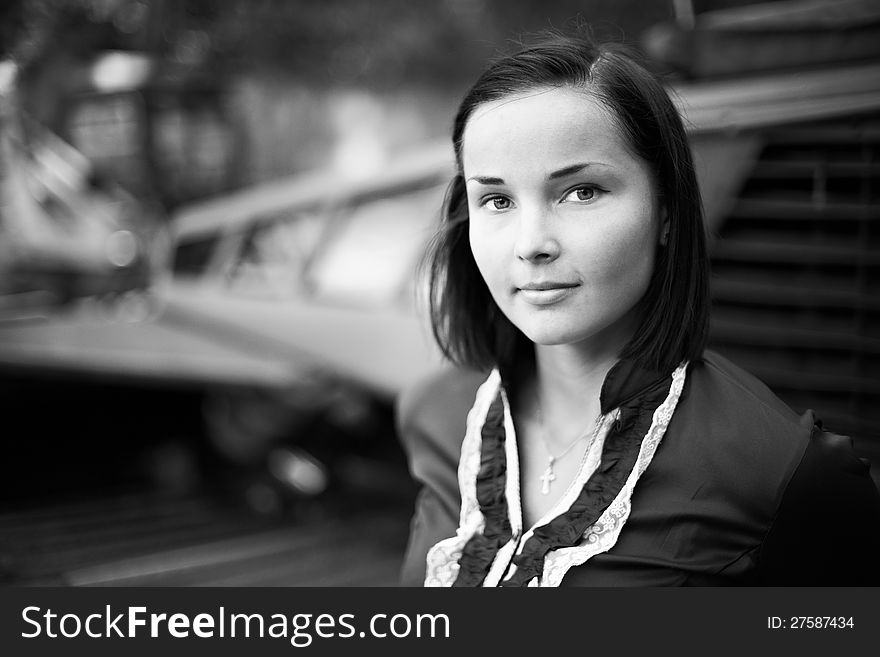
{"type": "Point", "coordinates": [548, 475]}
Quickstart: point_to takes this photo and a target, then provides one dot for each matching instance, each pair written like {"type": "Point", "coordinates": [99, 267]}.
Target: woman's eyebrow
{"type": "Point", "coordinates": [574, 168]}
{"type": "Point", "coordinates": [486, 180]}
{"type": "Point", "coordinates": [561, 173]}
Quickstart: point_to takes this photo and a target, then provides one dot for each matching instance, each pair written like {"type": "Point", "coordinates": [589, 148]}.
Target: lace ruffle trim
{"type": "Point", "coordinates": [443, 558]}
{"type": "Point", "coordinates": [603, 534]}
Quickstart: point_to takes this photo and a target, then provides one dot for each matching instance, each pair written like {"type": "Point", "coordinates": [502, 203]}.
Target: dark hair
{"type": "Point", "coordinates": [469, 327]}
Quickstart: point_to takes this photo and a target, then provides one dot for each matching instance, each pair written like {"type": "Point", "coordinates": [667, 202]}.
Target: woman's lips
{"type": "Point", "coordinates": [545, 294]}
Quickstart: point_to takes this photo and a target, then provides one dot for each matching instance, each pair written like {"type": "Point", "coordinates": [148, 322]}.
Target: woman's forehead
{"type": "Point", "coordinates": [542, 126]}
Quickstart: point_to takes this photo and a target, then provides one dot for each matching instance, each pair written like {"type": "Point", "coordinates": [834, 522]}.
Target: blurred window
{"type": "Point", "coordinates": [371, 257]}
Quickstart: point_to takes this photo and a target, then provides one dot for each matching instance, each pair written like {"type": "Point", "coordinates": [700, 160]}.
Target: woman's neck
{"type": "Point", "coordinates": [566, 378]}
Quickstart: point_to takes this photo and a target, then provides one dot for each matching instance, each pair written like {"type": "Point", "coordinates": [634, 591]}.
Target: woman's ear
{"type": "Point", "coordinates": [664, 227]}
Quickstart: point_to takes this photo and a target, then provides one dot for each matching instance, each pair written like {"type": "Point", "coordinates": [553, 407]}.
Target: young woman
{"type": "Point", "coordinates": [604, 447]}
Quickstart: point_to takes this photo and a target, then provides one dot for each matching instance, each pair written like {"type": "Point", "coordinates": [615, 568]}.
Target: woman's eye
{"type": "Point", "coordinates": [499, 203]}
{"type": "Point", "coordinates": [581, 194]}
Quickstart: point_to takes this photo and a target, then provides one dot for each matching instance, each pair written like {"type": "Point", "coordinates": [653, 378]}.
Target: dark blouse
{"type": "Point", "coordinates": [741, 491]}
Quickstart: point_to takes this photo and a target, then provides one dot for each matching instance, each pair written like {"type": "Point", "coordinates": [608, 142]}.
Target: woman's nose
{"type": "Point", "coordinates": [535, 241]}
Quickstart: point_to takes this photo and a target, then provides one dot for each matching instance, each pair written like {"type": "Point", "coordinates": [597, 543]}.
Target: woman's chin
{"type": "Point", "coordinates": [551, 337]}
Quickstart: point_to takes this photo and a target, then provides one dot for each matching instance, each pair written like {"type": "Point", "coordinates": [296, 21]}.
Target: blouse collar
{"type": "Point", "coordinates": [626, 380]}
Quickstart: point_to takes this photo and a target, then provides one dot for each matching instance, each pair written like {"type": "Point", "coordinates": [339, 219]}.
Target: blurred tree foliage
{"type": "Point", "coordinates": [226, 98]}
{"type": "Point", "coordinates": [369, 43]}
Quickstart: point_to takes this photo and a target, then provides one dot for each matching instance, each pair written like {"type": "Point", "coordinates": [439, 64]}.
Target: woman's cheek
{"type": "Point", "coordinates": [483, 247]}
{"type": "Point", "coordinates": [490, 268]}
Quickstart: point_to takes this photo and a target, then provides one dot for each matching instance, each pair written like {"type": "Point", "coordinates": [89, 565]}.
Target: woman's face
{"type": "Point", "coordinates": [564, 220]}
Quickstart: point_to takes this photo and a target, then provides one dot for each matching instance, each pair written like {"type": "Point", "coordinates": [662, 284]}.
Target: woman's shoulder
{"type": "Point", "coordinates": [729, 385]}
{"type": "Point", "coordinates": [734, 425]}
{"type": "Point", "coordinates": [739, 410]}
{"type": "Point", "coordinates": [737, 457]}
{"type": "Point", "coordinates": [431, 415]}
{"type": "Point", "coordinates": [731, 427]}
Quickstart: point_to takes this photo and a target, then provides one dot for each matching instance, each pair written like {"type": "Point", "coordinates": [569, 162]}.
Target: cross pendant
{"type": "Point", "coordinates": [547, 478]}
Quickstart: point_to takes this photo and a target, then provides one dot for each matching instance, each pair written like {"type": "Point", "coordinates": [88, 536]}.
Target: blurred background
{"type": "Point", "coordinates": [210, 219]}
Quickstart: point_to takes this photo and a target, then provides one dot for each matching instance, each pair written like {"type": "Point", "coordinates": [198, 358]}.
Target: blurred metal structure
{"type": "Point", "coordinates": [796, 256]}
{"type": "Point", "coordinates": [65, 233]}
